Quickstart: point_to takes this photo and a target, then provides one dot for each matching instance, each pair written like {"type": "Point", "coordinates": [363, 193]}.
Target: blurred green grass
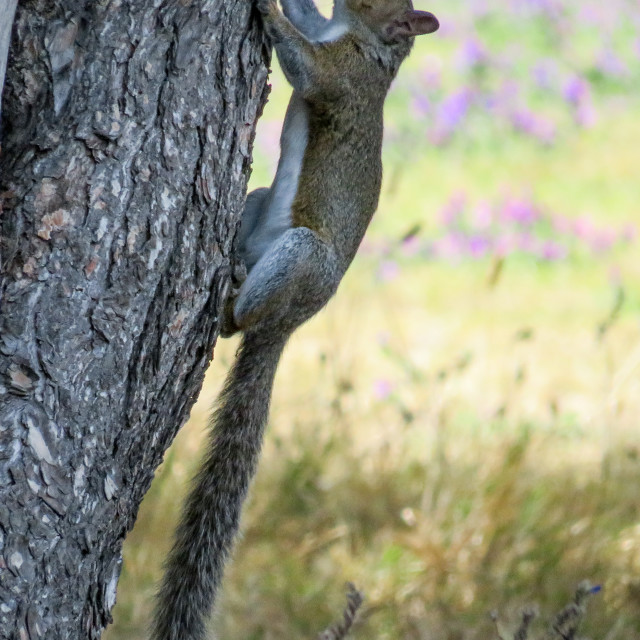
{"type": "Point", "coordinates": [460, 438]}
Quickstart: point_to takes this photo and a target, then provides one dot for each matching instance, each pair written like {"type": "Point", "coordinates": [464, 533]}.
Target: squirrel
{"type": "Point", "coordinates": [297, 239]}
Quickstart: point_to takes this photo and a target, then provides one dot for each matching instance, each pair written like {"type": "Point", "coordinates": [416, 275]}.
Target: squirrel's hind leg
{"type": "Point", "coordinates": [293, 280]}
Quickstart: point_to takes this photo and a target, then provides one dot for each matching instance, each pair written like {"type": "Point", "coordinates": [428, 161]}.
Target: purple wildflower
{"type": "Point", "coordinates": [602, 240]}
{"type": "Point", "coordinates": [411, 246]}
{"type": "Point", "coordinates": [479, 9]}
{"type": "Point", "coordinates": [542, 74]}
{"type": "Point", "coordinates": [541, 6]}
{"type": "Point", "coordinates": [561, 224]}
{"type": "Point", "coordinates": [629, 233]}
{"type": "Point", "coordinates": [610, 64]}
{"type": "Point", "coordinates": [583, 228]}
{"type": "Point", "coordinates": [420, 106]}
{"type": "Point", "coordinates": [450, 114]}
{"type": "Point", "coordinates": [451, 213]}
{"type": "Point", "coordinates": [509, 91]}
{"type": "Point", "coordinates": [449, 247]}
{"type": "Point", "coordinates": [432, 72]}
{"type": "Point", "coordinates": [576, 90]}
{"type": "Point", "coordinates": [552, 251]}
{"type": "Point", "coordinates": [482, 216]}
{"type": "Point", "coordinates": [526, 242]}
{"type": "Point", "coordinates": [528, 122]}
{"type": "Point", "coordinates": [585, 115]}
{"type": "Point", "coordinates": [477, 246]}
{"type": "Point", "coordinates": [590, 15]}
{"type": "Point", "coordinates": [505, 244]}
{"type": "Point", "coordinates": [388, 270]}
{"type": "Point", "coordinates": [472, 53]}
{"type": "Point", "coordinates": [522, 212]}
{"type": "Point", "coordinates": [382, 389]}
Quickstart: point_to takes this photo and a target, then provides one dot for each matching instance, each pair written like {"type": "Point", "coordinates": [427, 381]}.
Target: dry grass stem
{"type": "Point", "coordinates": [340, 629]}
{"type": "Point", "coordinates": [565, 624]}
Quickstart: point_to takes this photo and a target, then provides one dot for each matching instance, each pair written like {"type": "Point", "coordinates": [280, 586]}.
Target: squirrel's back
{"type": "Point", "coordinates": [341, 173]}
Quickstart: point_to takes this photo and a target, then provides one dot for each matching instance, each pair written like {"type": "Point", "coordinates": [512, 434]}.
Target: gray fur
{"type": "Point", "coordinates": [304, 15]}
{"type": "Point", "coordinates": [212, 512]}
{"type": "Point", "coordinates": [298, 238]}
{"type": "Point", "coordinates": [274, 214]}
{"type": "Point", "coordinates": [262, 224]}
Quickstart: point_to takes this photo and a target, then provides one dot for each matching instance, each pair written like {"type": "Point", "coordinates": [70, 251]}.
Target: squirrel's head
{"type": "Point", "coordinates": [392, 23]}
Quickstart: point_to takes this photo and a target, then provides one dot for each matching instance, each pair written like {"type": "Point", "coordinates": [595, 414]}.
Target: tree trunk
{"type": "Point", "coordinates": [127, 139]}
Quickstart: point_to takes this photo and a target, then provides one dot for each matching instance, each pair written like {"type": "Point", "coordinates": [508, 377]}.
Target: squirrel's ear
{"type": "Point", "coordinates": [413, 23]}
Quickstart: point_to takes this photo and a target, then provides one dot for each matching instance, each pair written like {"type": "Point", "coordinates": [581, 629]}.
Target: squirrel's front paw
{"type": "Point", "coordinates": [238, 275]}
{"type": "Point", "coordinates": [228, 325]}
{"type": "Point", "coordinates": [266, 7]}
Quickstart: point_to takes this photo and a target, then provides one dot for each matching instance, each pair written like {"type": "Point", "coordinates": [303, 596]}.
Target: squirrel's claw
{"type": "Point", "coordinates": [265, 7]}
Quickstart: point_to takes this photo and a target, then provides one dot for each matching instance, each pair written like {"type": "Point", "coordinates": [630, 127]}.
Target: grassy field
{"type": "Point", "coordinates": [458, 431]}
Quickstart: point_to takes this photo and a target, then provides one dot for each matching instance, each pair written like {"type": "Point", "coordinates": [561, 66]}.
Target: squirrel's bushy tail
{"type": "Point", "coordinates": [211, 515]}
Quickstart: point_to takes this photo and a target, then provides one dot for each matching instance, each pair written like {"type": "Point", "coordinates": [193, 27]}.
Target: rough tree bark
{"type": "Point", "coordinates": [128, 128]}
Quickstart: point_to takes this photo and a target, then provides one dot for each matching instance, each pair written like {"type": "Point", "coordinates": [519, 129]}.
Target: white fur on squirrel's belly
{"type": "Point", "coordinates": [277, 218]}
{"type": "Point", "coordinates": [334, 31]}
{"type": "Point", "coordinates": [293, 143]}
